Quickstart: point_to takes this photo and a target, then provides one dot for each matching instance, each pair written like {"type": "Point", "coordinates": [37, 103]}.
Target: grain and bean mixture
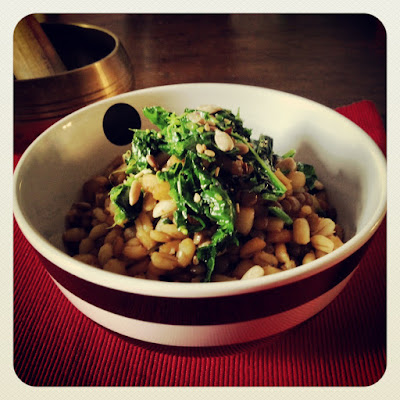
{"type": "Point", "coordinates": [199, 200]}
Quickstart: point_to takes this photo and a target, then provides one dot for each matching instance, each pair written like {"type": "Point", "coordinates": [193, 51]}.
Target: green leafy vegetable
{"type": "Point", "coordinates": [203, 186]}
{"type": "Point", "coordinates": [290, 153]}
{"type": "Point", "coordinates": [263, 178]}
{"type": "Point", "coordinates": [144, 143]}
{"type": "Point", "coordinates": [215, 206]}
{"type": "Point", "coordinates": [263, 147]}
{"type": "Point", "coordinates": [278, 212]}
{"type": "Point", "coordinates": [158, 116]}
{"type": "Point", "coordinates": [124, 212]}
{"type": "Point", "coordinates": [309, 172]}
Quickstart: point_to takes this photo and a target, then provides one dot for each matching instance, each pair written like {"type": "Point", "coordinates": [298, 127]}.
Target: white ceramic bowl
{"type": "Point", "coordinates": [51, 172]}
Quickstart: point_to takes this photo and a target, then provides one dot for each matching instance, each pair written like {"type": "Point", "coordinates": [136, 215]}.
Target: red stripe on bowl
{"type": "Point", "coordinates": [207, 310]}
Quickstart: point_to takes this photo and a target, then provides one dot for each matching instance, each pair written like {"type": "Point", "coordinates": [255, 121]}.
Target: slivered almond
{"type": "Point", "coordinates": [196, 117]}
{"type": "Point", "coordinates": [164, 208]}
{"type": "Point", "coordinates": [210, 108]}
{"type": "Point", "coordinates": [223, 140]}
{"type": "Point", "coordinates": [134, 192]}
{"type": "Point", "coordinates": [242, 147]}
{"type": "Point", "coordinates": [152, 161]}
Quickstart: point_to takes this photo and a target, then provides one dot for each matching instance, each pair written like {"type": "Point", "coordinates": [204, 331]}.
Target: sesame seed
{"type": "Point", "coordinates": [217, 171]}
{"type": "Point", "coordinates": [196, 198]}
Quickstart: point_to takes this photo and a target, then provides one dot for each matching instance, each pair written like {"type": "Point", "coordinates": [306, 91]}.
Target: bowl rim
{"type": "Point", "coordinates": [191, 289]}
{"type": "Point", "coordinates": [74, 71]}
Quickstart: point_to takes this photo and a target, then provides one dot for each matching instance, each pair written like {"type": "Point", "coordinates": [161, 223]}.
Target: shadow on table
{"type": "Point", "coordinates": [213, 351]}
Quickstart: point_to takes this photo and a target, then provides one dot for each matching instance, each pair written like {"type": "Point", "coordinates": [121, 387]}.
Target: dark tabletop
{"type": "Point", "coordinates": [334, 59]}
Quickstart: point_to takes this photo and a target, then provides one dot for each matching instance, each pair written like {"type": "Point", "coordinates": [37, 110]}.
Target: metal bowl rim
{"type": "Point", "coordinates": [114, 51]}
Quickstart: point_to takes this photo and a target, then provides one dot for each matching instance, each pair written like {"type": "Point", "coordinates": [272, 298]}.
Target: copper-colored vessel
{"type": "Point", "coordinates": [97, 68]}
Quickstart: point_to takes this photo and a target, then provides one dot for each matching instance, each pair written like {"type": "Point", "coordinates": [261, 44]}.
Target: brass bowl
{"type": "Point", "coordinates": [97, 68]}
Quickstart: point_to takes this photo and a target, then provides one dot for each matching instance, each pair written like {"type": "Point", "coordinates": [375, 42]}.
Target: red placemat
{"type": "Point", "coordinates": [344, 345]}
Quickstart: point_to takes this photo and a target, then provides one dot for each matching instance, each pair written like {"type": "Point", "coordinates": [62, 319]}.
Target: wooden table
{"type": "Point", "coordinates": [332, 59]}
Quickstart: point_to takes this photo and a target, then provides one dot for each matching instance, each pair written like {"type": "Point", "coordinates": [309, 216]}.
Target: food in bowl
{"type": "Point", "coordinates": [202, 314]}
{"type": "Point", "coordinates": [199, 200]}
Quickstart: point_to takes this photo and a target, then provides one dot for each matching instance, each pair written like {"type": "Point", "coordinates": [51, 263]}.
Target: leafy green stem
{"type": "Point", "coordinates": [280, 187]}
